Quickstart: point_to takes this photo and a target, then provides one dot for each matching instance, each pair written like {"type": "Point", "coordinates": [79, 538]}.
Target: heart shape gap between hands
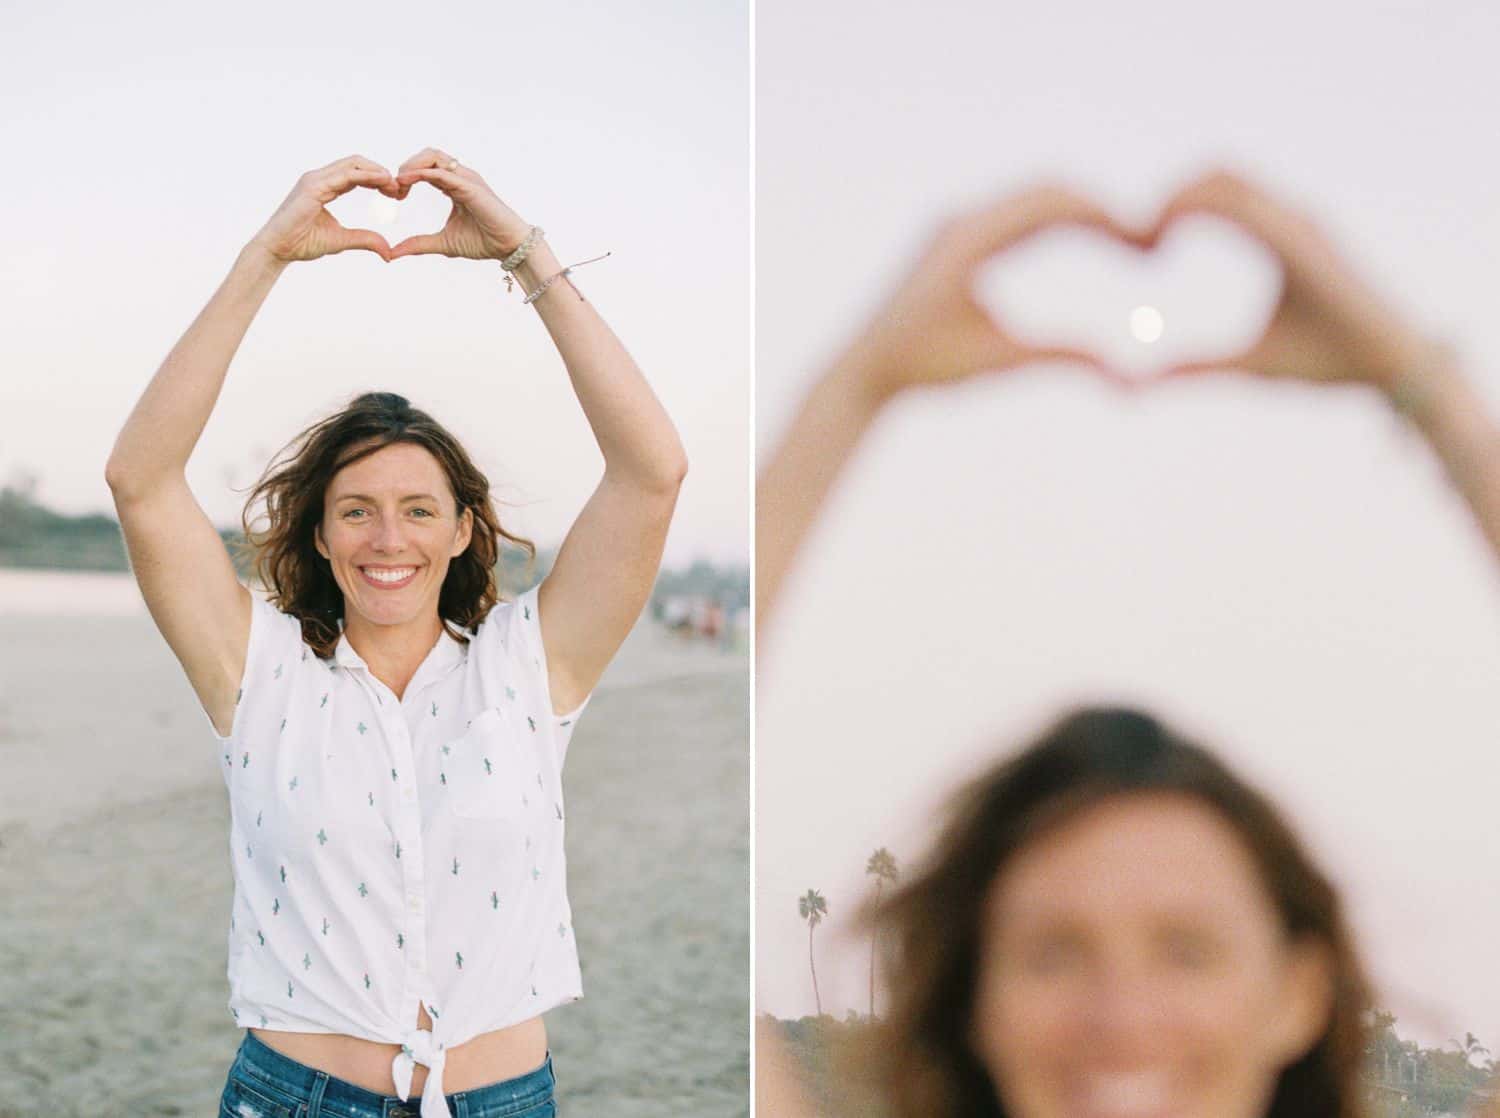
{"type": "Point", "coordinates": [422, 211]}
{"type": "Point", "coordinates": [1206, 290]}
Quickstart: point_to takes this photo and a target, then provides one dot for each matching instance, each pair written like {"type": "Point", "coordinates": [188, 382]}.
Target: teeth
{"type": "Point", "coordinates": [1127, 1095]}
{"type": "Point", "coordinates": [389, 576]}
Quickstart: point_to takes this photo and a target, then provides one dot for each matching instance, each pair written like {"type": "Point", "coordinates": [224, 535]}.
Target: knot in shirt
{"type": "Point", "coordinates": [419, 1047]}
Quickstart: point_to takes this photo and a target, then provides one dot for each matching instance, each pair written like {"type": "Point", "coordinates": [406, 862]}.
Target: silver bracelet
{"type": "Point", "coordinates": [537, 294]}
{"type": "Point", "coordinates": [559, 275]}
{"type": "Point", "coordinates": [1411, 392]}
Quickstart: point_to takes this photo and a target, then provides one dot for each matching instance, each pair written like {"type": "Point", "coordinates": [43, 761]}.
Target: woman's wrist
{"type": "Point", "coordinates": [540, 264]}
{"type": "Point", "coordinates": [862, 381]}
{"type": "Point", "coordinates": [256, 257]}
{"type": "Point", "coordinates": [1431, 391]}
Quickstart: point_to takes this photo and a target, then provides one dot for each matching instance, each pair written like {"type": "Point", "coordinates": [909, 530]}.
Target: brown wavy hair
{"type": "Point", "coordinates": [919, 1060]}
{"type": "Point", "coordinates": [285, 558]}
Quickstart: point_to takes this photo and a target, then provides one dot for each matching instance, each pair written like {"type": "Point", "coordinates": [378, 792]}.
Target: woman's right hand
{"type": "Point", "coordinates": [933, 329]}
{"type": "Point", "coordinates": [303, 230]}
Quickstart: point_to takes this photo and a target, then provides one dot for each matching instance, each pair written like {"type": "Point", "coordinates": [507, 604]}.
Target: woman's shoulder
{"type": "Point", "coordinates": [507, 624]}
{"type": "Point", "coordinates": [276, 630]}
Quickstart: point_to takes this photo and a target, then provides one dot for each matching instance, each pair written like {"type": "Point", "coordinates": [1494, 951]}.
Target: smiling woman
{"type": "Point", "coordinates": [392, 733]}
{"type": "Point", "coordinates": [376, 491]}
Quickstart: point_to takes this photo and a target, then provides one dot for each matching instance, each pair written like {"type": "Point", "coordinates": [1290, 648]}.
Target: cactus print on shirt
{"type": "Point", "coordinates": [389, 851]}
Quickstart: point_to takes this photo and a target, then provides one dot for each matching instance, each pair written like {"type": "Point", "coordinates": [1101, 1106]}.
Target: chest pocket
{"type": "Point", "coordinates": [492, 771]}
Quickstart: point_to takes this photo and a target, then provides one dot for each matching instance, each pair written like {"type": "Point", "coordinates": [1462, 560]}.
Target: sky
{"type": "Point", "coordinates": [149, 144]}
{"type": "Point", "coordinates": [1277, 569]}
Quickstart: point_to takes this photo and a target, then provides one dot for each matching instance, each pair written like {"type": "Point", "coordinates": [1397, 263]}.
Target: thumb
{"type": "Point", "coordinates": [1245, 360]}
{"type": "Point", "coordinates": [365, 239]}
{"type": "Point", "coordinates": [1070, 355]}
{"type": "Point", "coordinates": [418, 245]}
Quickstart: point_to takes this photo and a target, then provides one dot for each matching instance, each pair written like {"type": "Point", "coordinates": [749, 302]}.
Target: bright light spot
{"type": "Point", "coordinates": [383, 210]}
{"type": "Point", "coordinates": [1146, 324]}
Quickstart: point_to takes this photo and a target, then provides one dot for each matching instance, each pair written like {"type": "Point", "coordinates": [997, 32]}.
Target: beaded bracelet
{"type": "Point", "coordinates": [1412, 392]}
{"type": "Point", "coordinates": [517, 258]}
{"type": "Point", "coordinates": [1412, 395]}
{"type": "Point", "coordinates": [559, 275]}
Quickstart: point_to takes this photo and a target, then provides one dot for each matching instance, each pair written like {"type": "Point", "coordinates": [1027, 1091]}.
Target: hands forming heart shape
{"type": "Point", "coordinates": [479, 227]}
{"type": "Point", "coordinates": [1327, 326]}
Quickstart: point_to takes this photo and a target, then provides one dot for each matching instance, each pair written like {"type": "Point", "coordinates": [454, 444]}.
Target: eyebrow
{"type": "Point", "coordinates": [364, 497]}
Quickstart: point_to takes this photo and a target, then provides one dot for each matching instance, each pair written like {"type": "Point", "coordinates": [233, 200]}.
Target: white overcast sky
{"type": "Point", "coordinates": [1271, 567]}
{"type": "Point", "coordinates": [148, 143]}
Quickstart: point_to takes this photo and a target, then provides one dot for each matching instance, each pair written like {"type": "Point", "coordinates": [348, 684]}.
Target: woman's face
{"type": "Point", "coordinates": [391, 513]}
{"type": "Point", "coordinates": [1134, 965]}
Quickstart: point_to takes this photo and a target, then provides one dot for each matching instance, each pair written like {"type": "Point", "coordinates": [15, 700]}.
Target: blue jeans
{"type": "Point", "coordinates": [263, 1083]}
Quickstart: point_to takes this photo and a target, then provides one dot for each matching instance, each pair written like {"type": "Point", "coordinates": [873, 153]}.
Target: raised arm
{"type": "Point", "coordinates": [1461, 431]}
{"type": "Point", "coordinates": [1331, 328]}
{"type": "Point", "coordinates": [931, 331]}
{"type": "Point", "coordinates": [608, 561]}
{"type": "Point", "coordinates": [184, 572]}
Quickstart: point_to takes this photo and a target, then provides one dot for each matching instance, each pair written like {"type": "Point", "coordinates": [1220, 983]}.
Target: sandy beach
{"type": "Point", "coordinates": [114, 871]}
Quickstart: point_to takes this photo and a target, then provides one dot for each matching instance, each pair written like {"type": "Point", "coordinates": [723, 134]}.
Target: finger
{"type": "Point", "coordinates": [427, 157]}
{"type": "Point", "coordinates": [1194, 369]}
{"type": "Point", "coordinates": [1249, 360]}
{"type": "Point", "coordinates": [1065, 355]}
{"type": "Point", "coordinates": [1018, 216]}
{"type": "Point", "coordinates": [343, 178]}
{"type": "Point", "coordinates": [364, 239]}
{"type": "Point", "coordinates": [449, 182]}
{"type": "Point", "coordinates": [418, 245]}
{"type": "Point", "coordinates": [1235, 198]}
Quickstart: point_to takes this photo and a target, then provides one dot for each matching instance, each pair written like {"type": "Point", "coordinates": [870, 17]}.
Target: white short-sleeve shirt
{"type": "Point", "coordinates": [388, 851]}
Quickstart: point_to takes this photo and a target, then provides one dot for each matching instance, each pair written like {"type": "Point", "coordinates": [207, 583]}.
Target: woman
{"type": "Point", "coordinates": [392, 736]}
{"type": "Point", "coordinates": [1060, 953]}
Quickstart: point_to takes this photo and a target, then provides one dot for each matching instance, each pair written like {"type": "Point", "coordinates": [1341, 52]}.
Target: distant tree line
{"type": "Point", "coordinates": [37, 538]}
{"type": "Point", "coordinates": [1402, 1078]}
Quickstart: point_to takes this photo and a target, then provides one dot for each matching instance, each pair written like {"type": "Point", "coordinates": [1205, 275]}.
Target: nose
{"type": "Point", "coordinates": [388, 535]}
{"type": "Point", "coordinates": [1125, 1007]}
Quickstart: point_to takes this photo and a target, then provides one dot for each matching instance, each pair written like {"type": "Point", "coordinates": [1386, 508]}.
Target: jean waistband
{"type": "Point", "coordinates": [259, 1059]}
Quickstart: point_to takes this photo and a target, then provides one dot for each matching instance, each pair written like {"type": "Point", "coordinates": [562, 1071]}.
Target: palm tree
{"type": "Point", "coordinates": [1470, 1048]}
{"type": "Point", "coordinates": [813, 908]}
{"type": "Point", "coordinates": [883, 865]}
{"type": "Point", "coordinates": [1383, 1034]}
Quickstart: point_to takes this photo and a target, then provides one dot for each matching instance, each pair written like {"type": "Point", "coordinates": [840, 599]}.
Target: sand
{"type": "Point", "coordinates": [115, 882]}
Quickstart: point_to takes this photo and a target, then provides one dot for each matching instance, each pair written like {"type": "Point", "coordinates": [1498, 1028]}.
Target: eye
{"type": "Point", "coordinates": [1052, 955]}
{"type": "Point", "coordinates": [351, 512]}
{"type": "Point", "coordinates": [424, 512]}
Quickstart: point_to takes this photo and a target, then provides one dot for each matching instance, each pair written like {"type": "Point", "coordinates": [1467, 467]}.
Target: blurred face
{"type": "Point", "coordinates": [1133, 965]}
{"type": "Point", "coordinates": [389, 530]}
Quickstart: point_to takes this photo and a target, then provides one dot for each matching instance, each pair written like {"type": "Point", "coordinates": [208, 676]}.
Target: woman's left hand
{"type": "Point", "coordinates": [480, 227]}
{"type": "Point", "coordinates": [1329, 326]}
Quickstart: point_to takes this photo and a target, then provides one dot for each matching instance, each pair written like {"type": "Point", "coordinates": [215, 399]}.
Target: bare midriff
{"type": "Point", "coordinates": [478, 1062]}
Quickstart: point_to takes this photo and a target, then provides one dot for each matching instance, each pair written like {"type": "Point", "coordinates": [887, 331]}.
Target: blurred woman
{"type": "Point", "coordinates": [1112, 922]}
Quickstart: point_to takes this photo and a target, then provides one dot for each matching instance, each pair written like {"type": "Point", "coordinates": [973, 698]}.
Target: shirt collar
{"type": "Point", "coordinates": [443, 655]}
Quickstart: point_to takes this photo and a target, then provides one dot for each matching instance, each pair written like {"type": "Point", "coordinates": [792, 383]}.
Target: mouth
{"type": "Point", "coordinates": [388, 578]}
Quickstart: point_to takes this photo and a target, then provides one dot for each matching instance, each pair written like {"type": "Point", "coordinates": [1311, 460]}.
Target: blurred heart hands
{"type": "Point", "coordinates": [934, 328]}
{"type": "Point", "coordinates": [1323, 325]}
{"type": "Point", "coordinates": [479, 227]}
{"type": "Point", "coordinates": [1328, 325]}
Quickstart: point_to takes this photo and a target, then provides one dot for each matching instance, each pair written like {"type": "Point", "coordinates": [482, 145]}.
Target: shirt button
{"type": "Point", "coordinates": [409, 793]}
{"type": "Point", "coordinates": [415, 903]}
